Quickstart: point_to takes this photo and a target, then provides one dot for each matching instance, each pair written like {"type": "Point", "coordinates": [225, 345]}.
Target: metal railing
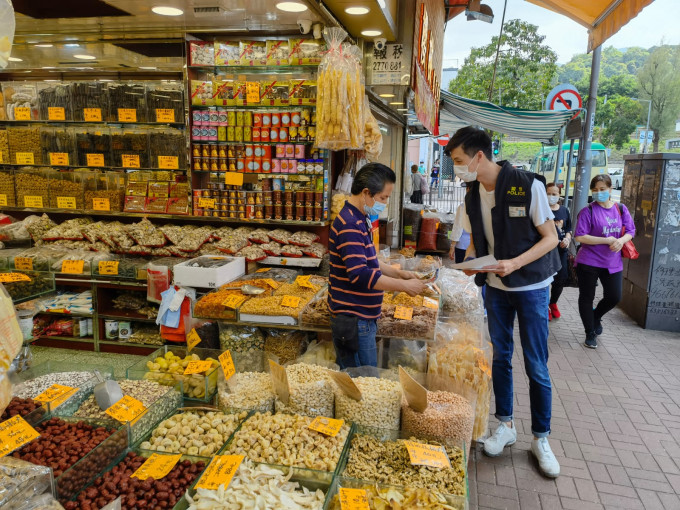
{"type": "Point", "coordinates": [445, 196]}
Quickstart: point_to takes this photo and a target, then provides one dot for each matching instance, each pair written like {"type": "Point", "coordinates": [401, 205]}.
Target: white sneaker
{"type": "Point", "coordinates": [546, 458]}
{"type": "Point", "coordinates": [504, 436]}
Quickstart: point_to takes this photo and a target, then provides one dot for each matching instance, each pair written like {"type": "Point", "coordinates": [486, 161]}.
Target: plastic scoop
{"type": "Point", "coordinates": [106, 392]}
{"type": "Point", "coordinates": [252, 290]}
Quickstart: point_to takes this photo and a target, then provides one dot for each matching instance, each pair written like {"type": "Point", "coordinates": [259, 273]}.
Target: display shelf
{"type": "Point", "coordinates": [252, 107]}
{"type": "Point", "coordinates": [77, 315]}
{"type": "Point", "coordinates": [130, 344]}
{"type": "Point", "coordinates": [268, 69]}
{"type": "Point", "coordinates": [122, 316]}
{"type": "Point", "coordinates": [292, 261]}
{"type": "Point", "coordinates": [113, 168]}
{"type": "Point", "coordinates": [213, 142]}
{"type": "Point", "coordinates": [86, 339]}
{"type": "Point", "coordinates": [91, 123]}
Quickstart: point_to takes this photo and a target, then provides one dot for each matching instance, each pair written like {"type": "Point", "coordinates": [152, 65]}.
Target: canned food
{"type": "Point", "coordinates": [239, 118]}
{"type": "Point", "coordinates": [283, 134]}
{"type": "Point", "coordinates": [284, 166]}
{"type": "Point", "coordinates": [222, 133]}
{"type": "Point", "coordinates": [222, 116]}
{"type": "Point", "coordinates": [258, 198]}
{"type": "Point", "coordinates": [266, 151]}
{"type": "Point", "coordinates": [276, 120]}
{"type": "Point", "coordinates": [231, 134]}
{"type": "Point", "coordinates": [278, 212]}
{"type": "Point", "coordinates": [292, 166]}
{"type": "Point", "coordinates": [311, 133]}
{"type": "Point", "coordinates": [256, 134]}
{"type": "Point", "coordinates": [266, 165]}
{"type": "Point", "coordinates": [288, 196]}
{"type": "Point", "coordinates": [205, 117]}
{"type": "Point", "coordinates": [248, 118]}
{"type": "Point", "coordinates": [276, 166]}
{"type": "Point", "coordinates": [290, 150]}
{"type": "Point", "coordinates": [302, 134]}
{"type": "Point", "coordinates": [264, 134]}
{"type": "Point", "coordinates": [214, 117]}
{"type": "Point", "coordinates": [266, 120]}
{"type": "Point", "coordinates": [318, 212]}
{"type": "Point", "coordinates": [231, 164]}
{"type": "Point", "coordinates": [247, 134]}
{"type": "Point", "coordinates": [295, 118]}
{"type": "Point", "coordinates": [293, 133]}
{"type": "Point", "coordinates": [318, 198]}
{"type": "Point", "coordinates": [222, 151]}
{"type": "Point", "coordinates": [205, 164]}
{"type": "Point", "coordinates": [250, 151]}
{"type": "Point", "coordinates": [240, 164]}
{"type": "Point", "coordinates": [309, 213]}
{"type": "Point", "coordinates": [285, 119]}
{"type": "Point", "coordinates": [257, 119]}
{"type": "Point", "coordinates": [288, 210]}
{"type": "Point", "coordinates": [268, 212]}
{"type": "Point", "coordinates": [305, 117]}
{"type": "Point", "coordinates": [300, 213]}
{"type": "Point", "coordinates": [250, 163]}
{"type": "Point", "coordinates": [278, 196]}
{"type": "Point", "coordinates": [258, 165]}
{"type": "Point", "coordinates": [198, 163]}
{"type": "Point", "coordinates": [238, 133]}
{"type": "Point", "coordinates": [223, 164]}
{"type": "Point", "coordinates": [257, 151]}
{"type": "Point", "coordinates": [280, 150]}
{"type": "Point", "coordinates": [273, 135]}
{"type": "Point", "coordinates": [231, 118]}
{"type": "Point", "coordinates": [196, 117]}
{"type": "Point", "coordinates": [300, 151]}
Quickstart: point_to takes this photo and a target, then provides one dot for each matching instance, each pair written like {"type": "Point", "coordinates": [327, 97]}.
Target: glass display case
{"type": "Point", "coordinates": [32, 186]}
{"type": "Point", "coordinates": [21, 100]}
{"type": "Point", "coordinates": [90, 101]}
{"type": "Point", "coordinates": [55, 101]}
{"type": "Point", "coordinates": [127, 102]}
{"type": "Point", "coordinates": [66, 190]}
{"type": "Point", "coordinates": [24, 145]}
{"type": "Point", "coordinates": [130, 148]}
{"type": "Point", "coordinates": [104, 191]}
{"type": "Point", "coordinates": [165, 102]}
{"type": "Point", "coordinates": [93, 146]}
{"type": "Point", "coordinates": [58, 145]}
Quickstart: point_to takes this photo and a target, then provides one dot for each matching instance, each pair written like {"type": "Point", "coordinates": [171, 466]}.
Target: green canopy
{"type": "Point", "coordinates": [543, 125]}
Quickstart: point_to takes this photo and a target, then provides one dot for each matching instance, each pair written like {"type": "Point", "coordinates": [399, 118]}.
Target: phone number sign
{"type": "Point", "coordinates": [387, 66]}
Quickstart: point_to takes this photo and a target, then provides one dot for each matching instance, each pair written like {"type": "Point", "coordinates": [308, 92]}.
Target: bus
{"type": "Point", "coordinates": [544, 164]}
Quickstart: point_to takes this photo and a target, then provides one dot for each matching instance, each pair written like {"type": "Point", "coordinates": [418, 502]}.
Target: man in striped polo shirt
{"type": "Point", "coordinates": [357, 278]}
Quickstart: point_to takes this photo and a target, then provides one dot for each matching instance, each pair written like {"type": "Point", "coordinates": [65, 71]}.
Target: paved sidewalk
{"type": "Point", "coordinates": [615, 425]}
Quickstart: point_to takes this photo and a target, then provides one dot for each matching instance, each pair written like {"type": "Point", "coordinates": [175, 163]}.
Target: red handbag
{"type": "Point", "coordinates": [628, 251]}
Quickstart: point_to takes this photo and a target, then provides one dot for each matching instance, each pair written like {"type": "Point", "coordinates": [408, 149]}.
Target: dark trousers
{"type": "Point", "coordinates": [417, 197]}
{"type": "Point", "coordinates": [612, 284]}
{"type": "Point", "coordinates": [556, 290]}
{"type": "Point", "coordinates": [459, 255]}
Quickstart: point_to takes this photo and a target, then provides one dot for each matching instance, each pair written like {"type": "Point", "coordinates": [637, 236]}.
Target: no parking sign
{"type": "Point", "coordinates": [563, 97]}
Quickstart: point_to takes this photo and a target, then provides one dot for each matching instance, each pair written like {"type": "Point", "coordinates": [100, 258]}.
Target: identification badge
{"type": "Point", "coordinates": [518, 212]}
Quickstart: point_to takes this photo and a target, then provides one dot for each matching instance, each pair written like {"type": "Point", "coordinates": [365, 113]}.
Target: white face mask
{"type": "Point", "coordinates": [463, 172]}
{"type": "Point", "coordinates": [552, 199]}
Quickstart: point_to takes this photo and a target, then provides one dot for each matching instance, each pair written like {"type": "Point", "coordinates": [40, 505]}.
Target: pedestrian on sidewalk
{"type": "Point", "coordinates": [563, 227]}
{"type": "Point", "coordinates": [508, 215]}
{"type": "Point", "coordinates": [416, 185]}
{"type": "Point", "coordinates": [598, 229]}
{"type": "Point", "coordinates": [434, 176]}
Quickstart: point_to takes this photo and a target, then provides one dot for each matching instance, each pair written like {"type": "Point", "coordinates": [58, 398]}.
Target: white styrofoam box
{"type": "Point", "coordinates": [209, 277]}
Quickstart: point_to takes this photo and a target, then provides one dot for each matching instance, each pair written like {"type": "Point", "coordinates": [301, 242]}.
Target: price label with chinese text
{"type": "Point", "coordinates": [168, 162]}
{"type": "Point", "coordinates": [56, 113]}
{"type": "Point", "coordinates": [430, 303]}
{"type": "Point", "coordinates": [101, 204]}
{"type": "Point", "coordinates": [127, 115]}
{"type": "Point", "coordinates": [108, 267]}
{"type": "Point", "coordinates": [291, 301]}
{"type": "Point", "coordinates": [193, 339]}
{"type": "Point", "coordinates": [303, 281]}
{"type": "Point", "coordinates": [33, 201]}
{"type": "Point", "coordinates": [206, 203]}
{"type": "Point", "coordinates": [165, 115]}
{"type": "Point", "coordinates": [197, 367]}
{"type": "Point", "coordinates": [233, 301]}
{"type": "Point", "coordinates": [252, 92]}
{"type": "Point", "coordinates": [353, 499]}
{"type": "Point", "coordinates": [219, 472]}
{"type": "Point", "coordinates": [59, 158]}
{"type": "Point", "coordinates": [403, 312]}
{"type": "Point", "coordinates": [14, 433]}
{"type": "Point", "coordinates": [272, 283]}
{"type": "Point", "coordinates": [263, 270]}
{"type": "Point", "coordinates": [156, 466]}
{"type": "Point", "coordinates": [233, 179]}
{"type": "Point", "coordinates": [72, 266]}
{"type": "Point", "coordinates": [14, 277]}
{"type": "Point", "coordinates": [427, 455]}
{"type": "Point", "coordinates": [3, 199]}
{"type": "Point", "coordinates": [130, 160]}
{"type": "Point", "coordinates": [227, 364]}
{"type": "Point", "coordinates": [23, 263]}
{"type": "Point", "coordinates": [126, 409]}
{"type": "Point", "coordinates": [56, 395]}
{"type": "Point", "coordinates": [95, 159]}
{"type": "Point", "coordinates": [327, 426]}
{"type": "Point", "coordinates": [66, 202]}
{"type": "Point", "coordinates": [24, 158]}
{"type": "Point", "coordinates": [92, 114]}
{"type": "Point", "coordinates": [22, 113]}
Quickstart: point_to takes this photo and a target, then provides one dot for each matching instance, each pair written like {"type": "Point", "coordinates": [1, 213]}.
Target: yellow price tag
{"type": "Point", "coordinates": [427, 455]}
{"type": "Point", "coordinates": [2, 157]}
{"type": "Point", "coordinates": [327, 426]}
{"type": "Point", "coordinates": [59, 158]}
{"type": "Point", "coordinates": [233, 179]}
{"type": "Point", "coordinates": [165, 115]}
{"type": "Point", "coordinates": [157, 466]}
{"type": "Point", "coordinates": [23, 263]}
{"type": "Point", "coordinates": [92, 114]}
{"type": "Point", "coordinates": [72, 266]}
{"type": "Point", "coordinates": [482, 363]}
{"type": "Point", "coordinates": [291, 301]}
{"type": "Point", "coordinates": [127, 115]}
{"type": "Point", "coordinates": [206, 203]}
{"type": "Point", "coordinates": [193, 339]}
{"type": "Point", "coordinates": [353, 499]}
{"type": "Point", "coordinates": [14, 277]}
{"type": "Point", "coordinates": [56, 113]}
{"type": "Point", "coordinates": [3, 199]}
{"type": "Point", "coordinates": [66, 202]}
{"type": "Point", "coordinates": [430, 303]}
{"type": "Point", "coordinates": [303, 281]}
{"type": "Point", "coordinates": [252, 92]}
{"type": "Point", "coordinates": [197, 367]}
{"type": "Point", "coordinates": [22, 113]}
{"type": "Point", "coordinates": [130, 160]}
{"type": "Point", "coordinates": [24, 158]}
{"type": "Point", "coordinates": [227, 364]}
{"type": "Point", "coordinates": [56, 395]}
{"type": "Point", "coordinates": [220, 472]}
{"type": "Point", "coordinates": [95, 159]}
{"type": "Point", "coordinates": [272, 283]}
{"type": "Point", "coordinates": [263, 270]}
{"type": "Point", "coordinates": [15, 433]}
{"type": "Point", "coordinates": [33, 201]}
{"type": "Point", "coordinates": [403, 312]}
{"type": "Point", "coordinates": [101, 204]}
{"type": "Point", "coordinates": [126, 409]}
{"type": "Point", "coordinates": [168, 162]}
{"type": "Point", "coordinates": [108, 267]}
{"type": "Point", "coordinates": [233, 301]}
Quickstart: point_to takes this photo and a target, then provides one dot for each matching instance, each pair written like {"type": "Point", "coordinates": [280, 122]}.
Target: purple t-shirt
{"type": "Point", "coordinates": [597, 221]}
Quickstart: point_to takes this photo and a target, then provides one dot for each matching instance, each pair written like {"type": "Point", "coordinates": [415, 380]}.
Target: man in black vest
{"type": "Point", "coordinates": [508, 215]}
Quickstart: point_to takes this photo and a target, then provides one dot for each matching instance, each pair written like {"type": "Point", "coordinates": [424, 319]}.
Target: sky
{"type": "Point", "coordinates": [658, 21]}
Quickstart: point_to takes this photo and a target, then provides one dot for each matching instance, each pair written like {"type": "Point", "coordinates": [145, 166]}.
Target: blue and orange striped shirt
{"type": "Point", "coordinates": [354, 266]}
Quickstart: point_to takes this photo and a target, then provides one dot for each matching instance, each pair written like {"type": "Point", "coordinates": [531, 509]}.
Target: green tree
{"type": "Point", "coordinates": [659, 80]}
{"type": "Point", "coordinates": [620, 116]}
{"type": "Point", "coordinates": [526, 68]}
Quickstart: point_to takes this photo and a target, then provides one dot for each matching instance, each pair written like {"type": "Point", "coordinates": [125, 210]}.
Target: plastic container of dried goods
{"type": "Point", "coordinates": [104, 191]}
{"type": "Point", "coordinates": [21, 100]}
{"type": "Point", "coordinates": [39, 284]}
{"type": "Point", "coordinates": [316, 312]}
{"type": "Point", "coordinates": [380, 455]}
{"type": "Point", "coordinates": [93, 146]}
{"type": "Point", "coordinates": [90, 101]}
{"type": "Point", "coordinates": [24, 145]}
{"type": "Point", "coordinates": [165, 101]}
{"type": "Point", "coordinates": [23, 484]}
{"type": "Point", "coordinates": [127, 102]}
{"type": "Point", "coordinates": [250, 388]}
{"type": "Point", "coordinates": [310, 391]}
{"type": "Point", "coordinates": [167, 366]}
{"type": "Point", "coordinates": [4, 144]}
{"type": "Point", "coordinates": [55, 101]}
{"type": "Point", "coordinates": [58, 146]}
{"type": "Point", "coordinates": [130, 147]}
{"type": "Point", "coordinates": [167, 148]}
{"type": "Point", "coordinates": [32, 187]}
{"type": "Point", "coordinates": [7, 193]}
{"type": "Point", "coordinates": [413, 322]}
{"type": "Point", "coordinates": [66, 190]}
{"type": "Point", "coordinates": [38, 258]}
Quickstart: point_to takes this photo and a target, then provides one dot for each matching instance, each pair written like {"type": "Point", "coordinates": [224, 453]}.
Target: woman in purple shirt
{"type": "Point", "coordinates": [599, 232]}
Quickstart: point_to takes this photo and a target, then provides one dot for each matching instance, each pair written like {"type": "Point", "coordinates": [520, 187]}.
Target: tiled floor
{"type": "Point", "coordinates": [615, 425]}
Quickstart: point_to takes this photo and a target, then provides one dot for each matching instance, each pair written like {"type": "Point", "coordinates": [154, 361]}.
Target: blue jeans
{"type": "Point", "coordinates": [367, 355]}
{"type": "Point", "coordinates": [530, 307]}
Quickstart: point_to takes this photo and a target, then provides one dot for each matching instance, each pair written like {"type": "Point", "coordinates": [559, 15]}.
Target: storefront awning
{"type": "Point", "coordinates": [543, 125]}
{"type": "Point", "coordinates": [602, 18]}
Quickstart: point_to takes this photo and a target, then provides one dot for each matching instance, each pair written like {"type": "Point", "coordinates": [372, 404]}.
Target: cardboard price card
{"type": "Point", "coordinates": [427, 455]}
{"type": "Point", "coordinates": [279, 381]}
{"type": "Point", "coordinates": [66, 202]}
{"type": "Point", "coordinates": [165, 115]}
{"type": "Point", "coordinates": [303, 281]}
{"type": "Point", "coordinates": [95, 159]}
{"type": "Point", "coordinates": [206, 203]}
{"type": "Point", "coordinates": [15, 433]}
{"type": "Point", "coordinates": [101, 204]}
{"type": "Point", "coordinates": [353, 499]}
{"type": "Point", "coordinates": [168, 162]}
{"type": "Point", "coordinates": [22, 113]}
{"type": "Point", "coordinates": [327, 426]}
{"type": "Point", "coordinates": [108, 267]}
{"type": "Point", "coordinates": [72, 266]}
{"type": "Point", "coordinates": [157, 466]}
{"type": "Point", "coordinates": [291, 301]}
{"type": "Point", "coordinates": [430, 303]}
{"type": "Point", "coordinates": [233, 301]}
{"type": "Point", "coordinates": [252, 92]}
{"type": "Point", "coordinates": [193, 339]}
{"type": "Point", "coordinates": [126, 409]}
{"type": "Point", "coordinates": [14, 277]}
{"type": "Point", "coordinates": [127, 115]}
{"type": "Point", "coordinates": [414, 392]}
{"type": "Point", "coordinates": [56, 113]}
{"type": "Point", "coordinates": [219, 472]}
{"type": "Point", "coordinates": [198, 367]}
{"type": "Point", "coordinates": [56, 395]}
{"type": "Point", "coordinates": [272, 283]}
{"type": "Point", "coordinates": [130, 160]}
{"type": "Point", "coordinates": [346, 385]}
{"type": "Point", "coordinates": [263, 270]}
{"type": "Point", "coordinates": [92, 114]}
{"type": "Point", "coordinates": [403, 312]}
{"type": "Point", "coordinates": [23, 263]}
{"type": "Point", "coordinates": [33, 201]}
{"type": "Point", "coordinates": [233, 179]}
{"type": "Point", "coordinates": [24, 158]}
{"type": "Point", "coordinates": [227, 364]}
{"type": "Point", "coordinates": [3, 198]}
{"type": "Point", "coordinates": [59, 158]}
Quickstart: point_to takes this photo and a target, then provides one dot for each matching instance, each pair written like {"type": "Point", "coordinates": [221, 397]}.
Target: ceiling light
{"type": "Point", "coordinates": [387, 95]}
{"type": "Point", "coordinates": [72, 45]}
{"type": "Point", "coordinates": [402, 109]}
{"type": "Point", "coordinates": [371, 33]}
{"type": "Point", "coordinates": [50, 80]}
{"type": "Point", "coordinates": [15, 59]}
{"type": "Point", "coordinates": [44, 45]}
{"type": "Point", "coordinates": [149, 68]}
{"type": "Point", "coordinates": [357, 10]}
{"type": "Point", "coordinates": [291, 6]}
{"type": "Point", "coordinates": [85, 57]}
{"type": "Point", "coordinates": [398, 102]}
{"type": "Point", "coordinates": [167, 11]}
{"type": "Point", "coordinates": [49, 67]}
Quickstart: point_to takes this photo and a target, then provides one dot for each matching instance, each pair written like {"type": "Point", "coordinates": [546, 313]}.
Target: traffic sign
{"type": "Point", "coordinates": [563, 97]}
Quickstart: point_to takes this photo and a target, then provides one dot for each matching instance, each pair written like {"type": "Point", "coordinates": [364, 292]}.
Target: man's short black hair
{"type": "Point", "coordinates": [373, 177]}
{"type": "Point", "coordinates": [471, 140]}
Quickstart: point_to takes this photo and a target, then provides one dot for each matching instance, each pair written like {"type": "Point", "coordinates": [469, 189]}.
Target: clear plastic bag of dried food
{"type": "Point", "coordinates": [11, 337]}
{"type": "Point", "coordinates": [241, 339]}
{"type": "Point", "coordinates": [319, 353]}
{"type": "Point", "coordinates": [47, 502]}
{"type": "Point", "coordinates": [279, 274]}
{"type": "Point", "coordinates": [250, 388]}
{"type": "Point", "coordinates": [21, 481]}
{"type": "Point", "coordinates": [409, 354]}
{"type": "Point", "coordinates": [460, 294]}
{"type": "Point", "coordinates": [286, 344]}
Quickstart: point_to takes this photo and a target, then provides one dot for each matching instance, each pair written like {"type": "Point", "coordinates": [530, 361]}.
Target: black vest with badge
{"type": "Point", "coordinates": [513, 229]}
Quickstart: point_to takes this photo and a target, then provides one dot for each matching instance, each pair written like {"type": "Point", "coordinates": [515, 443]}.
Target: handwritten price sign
{"type": "Point", "coordinates": [220, 472]}
{"type": "Point", "coordinates": [427, 455]}
{"type": "Point", "coordinates": [15, 433]}
{"type": "Point", "coordinates": [156, 466]}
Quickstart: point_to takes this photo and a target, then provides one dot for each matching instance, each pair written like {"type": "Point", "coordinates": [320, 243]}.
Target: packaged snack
{"type": "Point", "coordinates": [253, 53]}
{"type": "Point", "coordinates": [277, 53]}
{"type": "Point", "coordinates": [274, 93]}
{"type": "Point", "coordinates": [305, 51]}
{"type": "Point", "coordinates": [202, 53]}
{"type": "Point", "coordinates": [223, 92]}
{"type": "Point", "coordinates": [227, 53]}
{"type": "Point", "coordinates": [201, 93]}
{"type": "Point", "coordinates": [302, 92]}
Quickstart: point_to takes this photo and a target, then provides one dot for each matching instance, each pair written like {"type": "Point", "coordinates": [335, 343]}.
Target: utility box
{"type": "Point", "coordinates": [651, 284]}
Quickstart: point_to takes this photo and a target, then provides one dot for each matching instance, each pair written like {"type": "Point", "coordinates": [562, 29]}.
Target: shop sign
{"type": "Point", "coordinates": [387, 66]}
{"type": "Point", "coordinates": [14, 433]}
